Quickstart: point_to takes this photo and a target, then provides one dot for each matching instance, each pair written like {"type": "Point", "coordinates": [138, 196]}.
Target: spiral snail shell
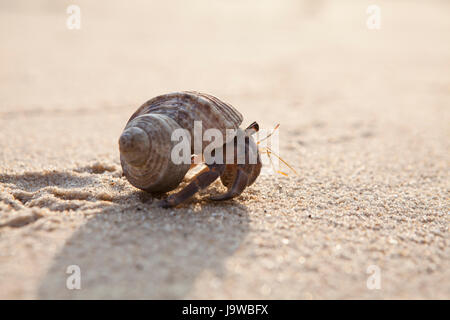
{"type": "Point", "coordinates": [145, 144]}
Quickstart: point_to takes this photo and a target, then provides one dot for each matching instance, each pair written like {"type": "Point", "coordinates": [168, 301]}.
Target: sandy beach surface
{"type": "Point", "coordinates": [364, 120]}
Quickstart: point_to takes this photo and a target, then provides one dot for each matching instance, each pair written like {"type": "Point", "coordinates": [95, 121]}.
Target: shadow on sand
{"type": "Point", "coordinates": [131, 249]}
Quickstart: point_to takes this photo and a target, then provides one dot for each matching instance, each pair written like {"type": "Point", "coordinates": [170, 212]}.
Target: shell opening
{"type": "Point", "coordinates": [134, 146]}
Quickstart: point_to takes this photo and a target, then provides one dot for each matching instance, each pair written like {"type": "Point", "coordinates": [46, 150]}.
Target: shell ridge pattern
{"type": "Point", "coordinates": [190, 101]}
{"type": "Point", "coordinates": [223, 107]}
{"type": "Point", "coordinates": [189, 106]}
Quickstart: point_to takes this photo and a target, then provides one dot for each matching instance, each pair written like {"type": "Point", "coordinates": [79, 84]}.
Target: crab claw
{"type": "Point", "coordinates": [236, 189]}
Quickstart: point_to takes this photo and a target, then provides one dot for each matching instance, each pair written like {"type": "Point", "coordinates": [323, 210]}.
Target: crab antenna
{"type": "Point", "coordinates": [273, 166]}
{"type": "Point", "coordinates": [269, 151]}
{"type": "Point", "coordinates": [270, 159]}
{"type": "Point", "coordinates": [270, 134]}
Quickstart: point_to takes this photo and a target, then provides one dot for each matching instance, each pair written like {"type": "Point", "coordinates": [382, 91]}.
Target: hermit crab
{"type": "Point", "coordinates": [146, 147]}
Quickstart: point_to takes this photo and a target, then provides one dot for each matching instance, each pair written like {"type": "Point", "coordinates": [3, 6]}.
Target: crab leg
{"type": "Point", "coordinates": [201, 181]}
{"type": "Point", "coordinates": [236, 189]}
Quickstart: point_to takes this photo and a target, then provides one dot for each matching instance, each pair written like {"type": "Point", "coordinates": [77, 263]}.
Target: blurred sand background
{"type": "Point", "coordinates": [364, 119]}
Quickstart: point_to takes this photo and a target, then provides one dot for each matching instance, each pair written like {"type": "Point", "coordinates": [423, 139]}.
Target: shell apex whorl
{"type": "Point", "coordinates": [154, 171]}
{"type": "Point", "coordinates": [134, 146]}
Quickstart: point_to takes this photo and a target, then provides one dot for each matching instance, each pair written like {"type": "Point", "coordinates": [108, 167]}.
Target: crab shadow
{"type": "Point", "coordinates": [132, 249]}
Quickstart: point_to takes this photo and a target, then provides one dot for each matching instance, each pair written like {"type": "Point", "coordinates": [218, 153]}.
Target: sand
{"type": "Point", "coordinates": [364, 120]}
